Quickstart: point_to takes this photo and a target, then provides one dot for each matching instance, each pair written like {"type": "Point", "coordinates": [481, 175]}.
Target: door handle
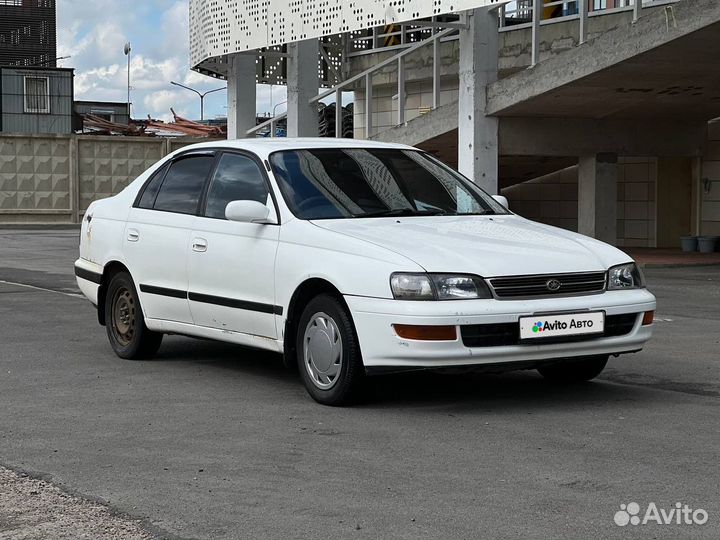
{"type": "Point", "coordinates": [133, 235]}
{"type": "Point", "coordinates": [199, 244]}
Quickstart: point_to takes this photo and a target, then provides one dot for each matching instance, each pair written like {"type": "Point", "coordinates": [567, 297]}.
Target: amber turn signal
{"type": "Point", "coordinates": [426, 333]}
{"type": "Point", "coordinates": [648, 318]}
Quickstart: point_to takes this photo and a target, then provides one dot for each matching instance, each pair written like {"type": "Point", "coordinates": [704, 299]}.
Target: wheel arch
{"type": "Point", "coordinates": [304, 292]}
{"type": "Point", "coordinates": [109, 270]}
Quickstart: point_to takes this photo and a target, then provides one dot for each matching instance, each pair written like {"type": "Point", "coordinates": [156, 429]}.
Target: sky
{"type": "Point", "coordinates": [94, 32]}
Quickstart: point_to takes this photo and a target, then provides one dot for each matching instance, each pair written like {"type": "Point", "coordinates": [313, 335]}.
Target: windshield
{"type": "Point", "coordinates": [331, 183]}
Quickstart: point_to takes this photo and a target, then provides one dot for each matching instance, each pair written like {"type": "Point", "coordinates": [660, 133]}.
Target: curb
{"type": "Point", "coordinates": [40, 226]}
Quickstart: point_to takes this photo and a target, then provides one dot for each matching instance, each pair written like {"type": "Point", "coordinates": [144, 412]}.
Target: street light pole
{"type": "Point", "coordinates": [201, 94]}
{"type": "Point", "coordinates": [127, 53]}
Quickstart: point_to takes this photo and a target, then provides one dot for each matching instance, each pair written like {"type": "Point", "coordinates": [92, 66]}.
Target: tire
{"type": "Point", "coordinates": [571, 371]}
{"type": "Point", "coordinates": [328, 353]}
{"type": "Point", "coordinates": [125, 324]}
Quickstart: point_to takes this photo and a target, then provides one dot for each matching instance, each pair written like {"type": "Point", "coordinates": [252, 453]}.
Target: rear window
{"type": "Point", "coordinates": [183, 184]}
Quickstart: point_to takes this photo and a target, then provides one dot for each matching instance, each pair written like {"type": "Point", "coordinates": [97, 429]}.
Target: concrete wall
{"type": "Point", "coordinates": [53, 178]}
{"type": "Point", "coordinates": [710, 170]}
{"type": "Point", "coordinates": [553, 199]}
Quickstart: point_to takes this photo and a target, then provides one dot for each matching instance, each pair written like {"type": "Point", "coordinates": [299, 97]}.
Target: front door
{"type": "Point", "coordinates": [231, 265]}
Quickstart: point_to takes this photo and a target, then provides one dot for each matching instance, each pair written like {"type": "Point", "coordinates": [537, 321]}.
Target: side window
{"type": "Point", "coordinates": [236, 178]}
{"type": "Point", "coordinates": [183, 185]}
{"type": "Point", "coordinates": [147, 199]}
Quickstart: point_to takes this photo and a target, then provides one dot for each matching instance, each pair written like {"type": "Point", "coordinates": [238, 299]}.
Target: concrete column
{"type": "Point", "coordinates": [241, 95]}
{"type": "Point", "coordinates": [478, 67]}
{"type": "Point", "coordinates": [597, 197]}
{"type": "Point", "coordinates": [302, 85]}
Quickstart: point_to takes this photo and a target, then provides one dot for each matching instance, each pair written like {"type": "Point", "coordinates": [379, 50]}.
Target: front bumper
{"type": "Point", "coordinates": [382, 348]}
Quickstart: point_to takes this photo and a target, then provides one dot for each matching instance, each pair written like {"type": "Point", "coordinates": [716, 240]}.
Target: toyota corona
{"type": "Point", "coordinates": [352, 258]}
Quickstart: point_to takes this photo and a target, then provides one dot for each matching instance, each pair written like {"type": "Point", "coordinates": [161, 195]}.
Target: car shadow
{"type": "Point", "coordinates": [226, 356]}
{"type": "Point", "coordinates": [511, 390]}
{"type": "Point", "coordinates": [470, 390]}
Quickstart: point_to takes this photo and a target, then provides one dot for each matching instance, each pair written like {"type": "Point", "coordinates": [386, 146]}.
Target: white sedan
{"type": "Point", "coordinates": [352, 258]}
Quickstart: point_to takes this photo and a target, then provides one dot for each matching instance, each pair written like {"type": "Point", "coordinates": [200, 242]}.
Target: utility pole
{"type": "Point", "coordinates": [201, 94]}
{"type": "Point", "coordinates": [127, 53]}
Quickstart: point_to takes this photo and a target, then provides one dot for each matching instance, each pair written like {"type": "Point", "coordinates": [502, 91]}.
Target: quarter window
{"type": "Point", "coordinates": [183, 184]}
{"type": "Point", "coordinates": [237, 178]}
{"type": "Point", "coordinates": [37, 95]}
{"type": "Point", "coordinates": [147, 199]}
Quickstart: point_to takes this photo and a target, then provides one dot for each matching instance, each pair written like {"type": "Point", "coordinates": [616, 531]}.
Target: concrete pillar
{"type": "Point", "coordinates": [302, 84]}
{"type": "Point", "coordinates": [478, 67]}
{"type": "Point", "coordinates": [241, 95]}
{"type": "Point", "coordinates": [597, 197]}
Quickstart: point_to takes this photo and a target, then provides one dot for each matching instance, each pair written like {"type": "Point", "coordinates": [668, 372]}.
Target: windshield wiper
{"type": "Point", "coordinates": [397, 212]}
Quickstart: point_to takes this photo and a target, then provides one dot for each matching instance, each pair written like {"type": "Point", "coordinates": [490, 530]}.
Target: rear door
{"type": "Point", "coordinates": [232, 265]}
{"type": "Point", "coordinates": [157, 235]}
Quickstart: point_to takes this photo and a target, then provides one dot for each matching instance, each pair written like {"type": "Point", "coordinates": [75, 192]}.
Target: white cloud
{"type": "Point", "coordinates": [94, 32]}
{"type": "Point", "coordinates": [163, 100]}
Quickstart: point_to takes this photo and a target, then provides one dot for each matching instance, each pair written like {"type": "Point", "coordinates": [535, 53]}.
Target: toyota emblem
{"type": "Point", "coordinates": [553, 285]}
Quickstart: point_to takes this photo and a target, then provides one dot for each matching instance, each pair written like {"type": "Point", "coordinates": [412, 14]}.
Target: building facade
{"type": "Point", "coordinates": [28, 33]}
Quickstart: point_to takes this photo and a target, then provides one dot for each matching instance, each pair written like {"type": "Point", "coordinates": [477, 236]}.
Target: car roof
{"type": "Point", "coordinates": [267, 145]}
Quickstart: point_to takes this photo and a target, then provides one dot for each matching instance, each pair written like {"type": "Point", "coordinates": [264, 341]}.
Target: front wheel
{"type": "Point", "coordinates": [575, 370]}
{"type": "Point", "coordinates": [126, 330]}
{"type": "Point", "coordinates": [328, 353]}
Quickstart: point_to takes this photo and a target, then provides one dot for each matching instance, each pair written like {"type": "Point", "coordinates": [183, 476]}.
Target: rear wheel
{"type": "Point", "coordinates": [328, 353]}
{"type": "Point", "coordinates": [575, 370]}
{"type": "Point", "coordinates": [128, 335]}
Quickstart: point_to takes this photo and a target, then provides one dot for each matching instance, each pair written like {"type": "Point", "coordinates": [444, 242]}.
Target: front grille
{"type": "Point", "coordinates": [533, 286]}
{"type": "Point", "coordinates": [504, 334]}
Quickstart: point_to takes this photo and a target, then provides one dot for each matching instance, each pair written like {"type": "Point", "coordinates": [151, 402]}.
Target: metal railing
{"type": "Point", "coordinates": [514, 14]}
{"type": "Point", "coordinates": [366, 77]}
{"type": "Point", "coordinates": [398, 35]}
{"type": "Point", "coordinates": [534, 13]}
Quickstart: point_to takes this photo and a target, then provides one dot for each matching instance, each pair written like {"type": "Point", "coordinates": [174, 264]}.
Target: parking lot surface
{"type": "Point", "coordinates": [216, 441]}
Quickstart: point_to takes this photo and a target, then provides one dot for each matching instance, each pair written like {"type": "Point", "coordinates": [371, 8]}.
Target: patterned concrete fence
{"type": "Point", "coordinates": [53, 178]}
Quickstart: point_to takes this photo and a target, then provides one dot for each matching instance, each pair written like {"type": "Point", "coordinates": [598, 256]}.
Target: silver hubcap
{"type": "Point", "coordinates": [322, 351]}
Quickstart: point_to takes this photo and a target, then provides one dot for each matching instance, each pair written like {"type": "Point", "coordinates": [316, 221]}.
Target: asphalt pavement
{"type": "Point", "coordinates": [211, 440]}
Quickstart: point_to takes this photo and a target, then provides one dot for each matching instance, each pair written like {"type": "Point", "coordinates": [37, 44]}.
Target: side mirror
{"type": "Point", "coordinates": [248, 212]}
{"type": "Point", "coordinates": [502, 200]}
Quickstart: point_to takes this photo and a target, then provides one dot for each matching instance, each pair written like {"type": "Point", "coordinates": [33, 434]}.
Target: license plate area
{"type": "Point", "coordinates": [559, 325]}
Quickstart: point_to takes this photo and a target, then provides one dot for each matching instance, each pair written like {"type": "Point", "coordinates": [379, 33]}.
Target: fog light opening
{"type": "Point", "coordinates": [648, 318]}
{"type": "Point", "coordinates": [426, 333]}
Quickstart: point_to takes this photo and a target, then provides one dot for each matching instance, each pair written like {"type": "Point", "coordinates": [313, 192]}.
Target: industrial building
{"type": "Point", "coordinates": [36, 99]}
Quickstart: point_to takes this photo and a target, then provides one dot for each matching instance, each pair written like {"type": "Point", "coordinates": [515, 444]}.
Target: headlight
{"type": "Point", "coordinates": [411, 287]}
{"type": "Point", "coordinates": [438, 287]}
{"type": "Point", "coordinates": [625, 276]}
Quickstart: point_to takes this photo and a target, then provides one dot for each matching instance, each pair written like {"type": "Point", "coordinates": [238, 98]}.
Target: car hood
{"type": "Point", "coordinates": [488, 246]}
